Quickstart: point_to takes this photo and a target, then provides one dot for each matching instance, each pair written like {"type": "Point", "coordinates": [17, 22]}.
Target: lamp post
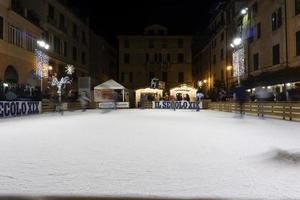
{"type": "Point", "coordinates": [42, 47]}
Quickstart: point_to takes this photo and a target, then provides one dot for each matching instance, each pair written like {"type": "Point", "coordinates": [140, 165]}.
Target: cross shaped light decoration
{"type": "Point", "coordinates": [70, 69]}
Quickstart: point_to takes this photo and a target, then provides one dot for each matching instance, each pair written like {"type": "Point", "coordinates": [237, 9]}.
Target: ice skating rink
{"type": "Point", "coordinates": [150, 153]}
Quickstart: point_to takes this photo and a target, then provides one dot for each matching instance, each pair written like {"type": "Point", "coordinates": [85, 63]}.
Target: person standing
{"type": "Point", "coordinates": [240, 97]}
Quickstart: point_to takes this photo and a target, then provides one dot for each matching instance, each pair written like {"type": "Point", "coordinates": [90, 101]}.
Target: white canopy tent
{"type": "Point", "coordinates": [108, 85]}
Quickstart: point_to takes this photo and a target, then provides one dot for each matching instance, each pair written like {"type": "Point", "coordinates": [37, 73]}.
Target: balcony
{"type": "Point", "coordinates": [30, 15]}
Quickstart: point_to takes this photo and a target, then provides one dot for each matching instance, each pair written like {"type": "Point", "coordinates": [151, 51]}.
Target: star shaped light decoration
{"type": "Point", "coordinates": [70, 69]}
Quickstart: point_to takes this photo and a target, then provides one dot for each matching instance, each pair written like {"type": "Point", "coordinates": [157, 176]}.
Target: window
{"type": "Point", "coordinates": [57, 45]}
{"type": "Point", "coordinates": [180, 77]}
{"type": "Point", "coordinates": [180, 43]}
{"type": "Point", "coordinates": [65, 49]}
{"type": "Point", "coordinates": [274, 21]}
{"type": "Point", "coordinates": [151, 44]}
{"type": "Point", "coordinates": [180, 58]}
{"type": "Point", "coordinates": [74, 55]}
{"type": "Point", "coordinates": [164, 44]}
{"type": "Point", "coordinates": [30, 43]}
{"type": "Point", "coordinates": [122, 77]}
{"type": "Point", "coordinates": [279, 16]}
{"type": "Point", "coordinates": [155, 58]}
{"type": "Point", "coordinates": [255, 61]}
{"type": "Point", "coordinates": [126, 58]}
{"type": "Point", "coordinates": [147, 57]}
{"type": "Point", "coordinates": [255, 8]}
{"type": "Point", "coordinates": [214, 43]}
{"type": "Point", "coordinates": [1, 28]}
{"type": "Point", "coordinates": [83, 38]}
{"type": "Point", "coordinates": [130, 77]}
{"type": "Point", "coordinates": [297, 7]}
{"type": "Point", "coordinates": [126, 44]}
{"type": "Point", "coordinates": [74, 30]}
{"type": "Point", "coordinates": [277, 19]}
{"type": "Point", "coordinates": [222, 74]}
{"type": "Point", "coordinates": [222, 54]}
{"type": "Point", "coordinates": [151, 75]}
{"type": "Point", "coordinates": [169, 58]}
{"type": "Point", "coordinates": [214, 59]}
{"type": "Point", "coordinates": [61, 21]}
{"type": "Point", "coordinates": [165, 76]}
{"type": "Point", "coordinates": [298, 43]}
{"type": "Point", "coordinates": [50, 11]}
{"type": "Point", "coordinates": [15, 36]}
{"type": "Point", "coordinates": [276, 54]}
{"type": "Point", "coordinates": [83, 60]}
{"type": "Point", "coordinates": [222, 36]}
{"type": "Point", "coordinates": [160, 58]}
{"type": "Point", "coordinates": [258, 30]}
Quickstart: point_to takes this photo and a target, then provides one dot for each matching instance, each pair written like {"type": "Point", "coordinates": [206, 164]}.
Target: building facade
{"type": "Point", "coordinates": [66, 33]}
{"type": "Point", "coordinates": [155, 54]}
{"type": "Point", "coordinates": [103, 60]}
{"type": "Point", "coordinates": [212, 63]}
{"type": "Point", "coordinates": [263, 43]}
{"type": "Point", "coordinates": [71, 41]}
{"type": "Point", "coordinates": [18, 41]}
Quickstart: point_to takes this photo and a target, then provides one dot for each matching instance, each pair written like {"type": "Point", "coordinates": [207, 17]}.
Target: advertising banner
{"type": "Point", "coordinates": [177, 104]}
{"type": "Point", "coordinates": [19, 108]}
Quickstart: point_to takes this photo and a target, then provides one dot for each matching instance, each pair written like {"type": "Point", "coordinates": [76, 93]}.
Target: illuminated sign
{"type": "Point", "coordinates": [175, 105]}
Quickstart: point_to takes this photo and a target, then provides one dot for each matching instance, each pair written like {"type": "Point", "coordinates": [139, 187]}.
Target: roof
{"type": "Point", "coordinates": [111, 85]}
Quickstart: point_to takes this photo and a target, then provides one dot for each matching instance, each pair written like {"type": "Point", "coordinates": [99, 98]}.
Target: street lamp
{"type": "Point", "coordinates": [244, 11]}
{"type": "Point", "coordinates": [43, 46]}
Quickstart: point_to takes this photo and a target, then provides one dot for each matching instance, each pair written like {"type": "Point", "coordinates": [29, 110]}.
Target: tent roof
{"type": "Point", "coordinates": [110, 84]}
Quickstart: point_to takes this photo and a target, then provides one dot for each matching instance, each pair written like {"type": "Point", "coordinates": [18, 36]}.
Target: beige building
{"type": "Point", "coordinates": [269, 51]}
{"type": "Point", "coordinates": [155, 54]}
{"type": "Point", "coordinates": [18, 38]}
{"type": "Point", "coordinates": [65, 32]}
{"type": "Point", "coordinates": [212, 63]}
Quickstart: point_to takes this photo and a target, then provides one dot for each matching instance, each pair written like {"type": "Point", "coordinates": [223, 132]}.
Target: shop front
{"type": "Point", "coordinates": [184, 92]}
{"type": "Point", "coordinates": [145, 95]}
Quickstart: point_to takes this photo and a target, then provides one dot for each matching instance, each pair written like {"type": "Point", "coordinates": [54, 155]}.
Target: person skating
{"type": "Point", "coordinates": [240, 97]}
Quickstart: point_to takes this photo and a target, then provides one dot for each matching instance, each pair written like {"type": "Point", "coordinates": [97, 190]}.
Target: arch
{"type": "Point", "coordinates": [11, 75]}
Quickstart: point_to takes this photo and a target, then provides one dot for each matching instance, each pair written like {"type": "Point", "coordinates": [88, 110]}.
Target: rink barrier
{"type": "Point", "coordinates": [126, 197]}
{"type": "Point", "coordinates": [51, 107]}
{"type": "Point", "coordinates": [280, 110]}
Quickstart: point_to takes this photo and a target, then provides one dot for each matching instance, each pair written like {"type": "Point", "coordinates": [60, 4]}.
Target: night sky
{"type": "Point", "coordinates": [110, 18]}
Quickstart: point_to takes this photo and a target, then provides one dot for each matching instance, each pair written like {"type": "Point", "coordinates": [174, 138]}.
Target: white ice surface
{"type": "Point", "coordinates": [148, 153]}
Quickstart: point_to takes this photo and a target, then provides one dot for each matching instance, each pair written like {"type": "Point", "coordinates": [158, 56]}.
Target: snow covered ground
{"type": "Point", "coordinates": [149, 153]}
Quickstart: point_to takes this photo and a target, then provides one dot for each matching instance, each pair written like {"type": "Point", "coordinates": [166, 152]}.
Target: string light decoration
{"type": "Point", "coordinates": [238, 62]}
{"type": "Point", "coordinates": [42, 63]}
{"type": "Point", "coordinates": [70, 69]}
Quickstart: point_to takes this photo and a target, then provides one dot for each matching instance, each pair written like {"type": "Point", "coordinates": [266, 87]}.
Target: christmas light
{"type": "Point", "coordinates": [70, 69]}
{"type": "Point", "coordinates": [42, 62]}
